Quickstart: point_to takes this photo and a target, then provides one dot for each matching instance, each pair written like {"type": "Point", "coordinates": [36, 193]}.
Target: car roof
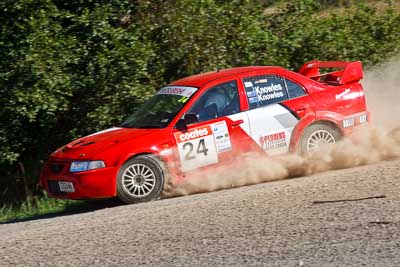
{"type": "Point", "coordinates": [200, 80]}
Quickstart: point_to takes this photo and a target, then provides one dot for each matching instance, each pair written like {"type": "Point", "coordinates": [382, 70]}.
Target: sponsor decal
{"type": "Point", "coordinates": [273, 141]}
{"type": "Point", "coordinates": [178, 90]}
{"type": "Point", "coordinates": [193, 134]}
{"type": "Point", "coordinates": [221, 137]}
{"type": "Point", "coordinates": [342, 94]}
{"type": "Point", "coordinates": [261, 81]}
{"type": "Point", "coordinates": [253, 100]}
{"type": "Point", "coordinates": [251, 93]}
{"type": "Point", "coordinates": [248, 84]}
{"type": "Point", "coordinates": [269, 92]}
{"type": "Point", "coordinates": [183, 99]}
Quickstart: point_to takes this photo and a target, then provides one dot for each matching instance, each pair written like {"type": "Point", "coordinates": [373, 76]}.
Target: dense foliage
{"type": "Point", "coordinates": [69, 68]}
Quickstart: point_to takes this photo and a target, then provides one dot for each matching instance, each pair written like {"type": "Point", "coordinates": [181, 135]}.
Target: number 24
{"type": "Point", "coordinates": [201, 149]}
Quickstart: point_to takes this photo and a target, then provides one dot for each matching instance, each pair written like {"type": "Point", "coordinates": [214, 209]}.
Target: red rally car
{"type": "Point", "coordinates": [207, 121]}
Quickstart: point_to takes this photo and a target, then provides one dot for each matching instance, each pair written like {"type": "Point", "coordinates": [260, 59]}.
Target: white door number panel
{"type": "Point", "coordinates": [197, 147]}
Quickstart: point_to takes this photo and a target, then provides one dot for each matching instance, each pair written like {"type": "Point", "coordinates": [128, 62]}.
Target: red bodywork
{"type": "Point", "coordinates": [330, 97]}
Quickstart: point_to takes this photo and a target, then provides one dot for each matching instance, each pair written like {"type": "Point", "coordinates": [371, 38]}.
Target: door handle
{"type": "Point", "coordinates": [236, 123]}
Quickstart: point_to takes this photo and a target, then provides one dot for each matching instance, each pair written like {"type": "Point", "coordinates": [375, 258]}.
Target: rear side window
{"type": "Point", "coordinates": [294, 90]}
{"type": "Point", "coordinates": [265, 90]}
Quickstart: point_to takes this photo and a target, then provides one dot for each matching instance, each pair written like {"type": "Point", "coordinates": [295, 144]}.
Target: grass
{"type": "Point", "coordinates": [45, 207]}
{"type": "Point", "coordinates": [36, 206]}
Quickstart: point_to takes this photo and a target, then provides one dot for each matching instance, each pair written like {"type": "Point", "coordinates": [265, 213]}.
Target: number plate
{"type": "Point", "coordinates": [67, 187]}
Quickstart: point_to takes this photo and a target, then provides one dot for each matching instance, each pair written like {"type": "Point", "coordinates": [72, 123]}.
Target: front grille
{"type": "Point", "coordinates": [56, 167]}
{"type": "Point", "coordinates": [54, 188]}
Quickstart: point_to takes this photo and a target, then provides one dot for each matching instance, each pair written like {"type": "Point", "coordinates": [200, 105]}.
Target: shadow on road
{"type": "Point", "coordinates": [76, 208]}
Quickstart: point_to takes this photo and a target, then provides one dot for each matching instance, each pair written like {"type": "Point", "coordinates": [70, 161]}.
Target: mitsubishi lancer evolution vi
{"type": "Point", "coordinates": [208, 121]}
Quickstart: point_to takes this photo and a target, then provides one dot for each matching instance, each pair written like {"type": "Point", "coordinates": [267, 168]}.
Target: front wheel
{"type": "Point", "coordinates": [140, 179]}
{"type": "Point", "coordinates": [317, 135]}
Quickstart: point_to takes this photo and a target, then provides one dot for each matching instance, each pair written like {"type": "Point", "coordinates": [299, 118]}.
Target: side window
{"type": "Point", "coordinates": [294, 89]}
{"type": "Point", "coordinates": [265, 90]}
{"type": "Point", "coordinates": [218, 101]}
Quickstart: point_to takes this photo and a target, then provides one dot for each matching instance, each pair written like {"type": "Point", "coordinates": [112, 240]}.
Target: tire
{"type": "Point", "coordinates": [140, 179]}
{"type": "Point", "coordinates": [318, 134]}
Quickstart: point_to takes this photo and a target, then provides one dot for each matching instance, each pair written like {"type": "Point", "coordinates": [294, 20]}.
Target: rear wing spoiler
{"type": "Point", "coordinates": [343, 73]}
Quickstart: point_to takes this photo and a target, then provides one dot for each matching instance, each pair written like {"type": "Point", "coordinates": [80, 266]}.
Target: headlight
{"type": "Point", "coordinates": [80, 166]}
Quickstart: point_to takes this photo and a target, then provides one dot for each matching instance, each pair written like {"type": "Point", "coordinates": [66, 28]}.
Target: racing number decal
{"type": "Point", "coordinates": [196, 147]}
{"type": "Point", "coordinates": [200, 149]}
{"type": "Point", "coordinates": [188, 155]}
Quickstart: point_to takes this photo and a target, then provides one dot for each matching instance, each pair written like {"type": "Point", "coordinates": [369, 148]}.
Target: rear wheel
{"type": "Point", "coordinates": [317, 135]}
{"type": "Point", "coordinates": [140, 179]}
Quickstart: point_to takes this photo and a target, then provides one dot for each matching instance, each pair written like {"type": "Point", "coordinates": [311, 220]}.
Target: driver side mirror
{"type": "Point", "coordinates": [188, 118]}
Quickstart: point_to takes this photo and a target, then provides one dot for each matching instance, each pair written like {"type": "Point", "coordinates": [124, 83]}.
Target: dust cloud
{"type": "Point", "coordinates": [382, 89]}
{"type": "Point", "coordinates": [376, 142]}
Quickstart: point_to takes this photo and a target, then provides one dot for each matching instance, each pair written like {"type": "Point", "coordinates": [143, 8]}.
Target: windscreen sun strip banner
{"type": "Point", "coordinates": [185, 91]}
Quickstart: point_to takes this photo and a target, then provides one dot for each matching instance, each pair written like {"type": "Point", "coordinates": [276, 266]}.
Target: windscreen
{"type": "Point", "coordinates": [160, 109]}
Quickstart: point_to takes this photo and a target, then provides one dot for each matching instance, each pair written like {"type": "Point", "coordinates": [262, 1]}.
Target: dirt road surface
{"type": "Point", "coordinates": [270, 224]}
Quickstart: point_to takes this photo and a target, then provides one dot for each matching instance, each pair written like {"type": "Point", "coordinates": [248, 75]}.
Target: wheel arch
{"type": "Point", "coordinates": [329, 123]}
{"type": "Point", "coordinates": [296, 138]}
{"type": "Point", "coordinates": [152, 158]}
{"type": "Point", "coordinates": [152, 154]}
{"type": "Point", "coordinates": [163, 164]}
{"type": "Point", "coordinates": [142, 154]}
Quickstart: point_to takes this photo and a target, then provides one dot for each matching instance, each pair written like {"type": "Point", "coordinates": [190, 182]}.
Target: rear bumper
{"type": "Point", "coordinates": [359, 121]}
{"type": "Point", "coordinates": [99, 183]}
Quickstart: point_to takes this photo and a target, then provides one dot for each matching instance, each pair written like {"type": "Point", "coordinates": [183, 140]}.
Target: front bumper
{"type": "Point", "coordinates": [98, 183]}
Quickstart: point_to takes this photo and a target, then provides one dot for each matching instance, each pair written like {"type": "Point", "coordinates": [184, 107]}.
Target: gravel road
{"type": "Point", "coordinates": [270, 224]}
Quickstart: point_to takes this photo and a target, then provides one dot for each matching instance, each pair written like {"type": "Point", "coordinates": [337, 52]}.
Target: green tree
{"type": "Point", "coordinates": [358, 32]}
{"type": "Point", "coordinates": [197, 36]}
{"type": "Point", "coordinates": [67, 69]}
